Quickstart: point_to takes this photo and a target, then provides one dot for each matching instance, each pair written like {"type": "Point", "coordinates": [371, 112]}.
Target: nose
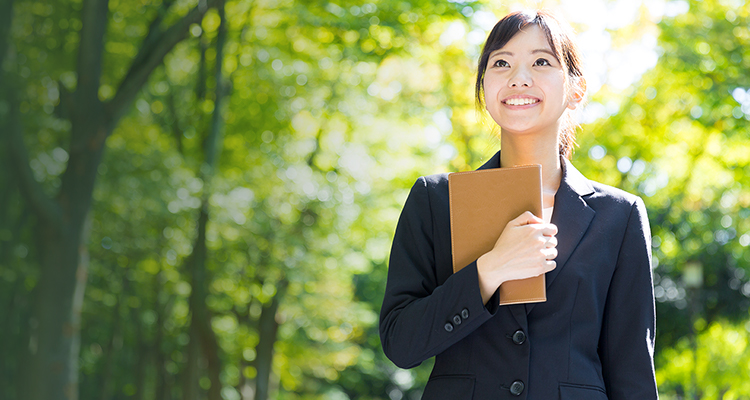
{"type": "Point", "coordinates": [521, 78]}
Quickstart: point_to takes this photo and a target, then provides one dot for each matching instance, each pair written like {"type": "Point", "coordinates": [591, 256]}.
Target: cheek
{"type": "Point", "coordinates": [490, 88]}
{"type": "Point", "coordinates": [487, 94]}
{"type": "Point", "coordinates": [557, 87]}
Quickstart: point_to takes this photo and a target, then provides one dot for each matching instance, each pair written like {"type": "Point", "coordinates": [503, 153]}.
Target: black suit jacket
{"type": "Point", "coordinates": [592, 339]}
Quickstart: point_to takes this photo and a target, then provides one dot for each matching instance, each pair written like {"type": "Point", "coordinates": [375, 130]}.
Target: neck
{"type": "Point", "coordinates": [531, 149]}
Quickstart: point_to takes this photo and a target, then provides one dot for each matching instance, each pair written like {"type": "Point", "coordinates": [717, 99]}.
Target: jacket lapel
{"type": "Point", "coordinates": [493, 162]}
{"type": "Point", "coordinates": [571, 215]}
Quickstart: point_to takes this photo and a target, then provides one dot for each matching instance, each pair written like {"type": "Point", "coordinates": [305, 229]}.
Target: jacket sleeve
{"type": "Point", "coordinates": [422, 317]}
{"type": "Point", "coordinates": [627, 341]}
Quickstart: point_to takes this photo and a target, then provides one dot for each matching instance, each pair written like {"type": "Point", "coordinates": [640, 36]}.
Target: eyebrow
{"type": "Point", "coordinates": [508, 53]}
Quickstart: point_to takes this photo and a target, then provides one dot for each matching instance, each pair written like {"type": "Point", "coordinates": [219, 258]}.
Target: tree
{"type": "Point", "coordinates": [61, 229]}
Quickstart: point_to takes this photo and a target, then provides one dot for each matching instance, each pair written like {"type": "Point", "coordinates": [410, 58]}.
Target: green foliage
{"type": "Point", "coordinates": [306, 153]}
{"type": "Point", "coordinates": [713, 365]}
{"type": "Point", "coordinates": [680, 138]}
{"type": "Point", "coordinates": [334, 109]}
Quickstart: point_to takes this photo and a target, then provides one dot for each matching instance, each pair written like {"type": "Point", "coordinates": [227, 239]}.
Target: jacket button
{"type": "Point", "coordinates": [516, 388]}
{"type": "Point", "coordinates": [457, 319]}
{"type": "Point", "coordinates": [519, 337]}
{"type": "Point", "coordinates": [449, 327]}
{"type": "Point", "coordinates": [465, 313]}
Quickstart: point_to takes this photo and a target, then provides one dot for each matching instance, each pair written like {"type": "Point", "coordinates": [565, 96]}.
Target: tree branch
{"type": "Point", "coordinates": [150, 56]}
{"type": "Point", "coordinates": [214, 140]}
{"type": "Point", "coordinates": [6, 17]}
{"type": "Point", "coordinates": [200, 84]}
{"type": "Point", "coordinates": [154, 31]}
{"type": "Point", "coordinates": [176, 126]}
{"type": "Point", "coordinates": [91, 49]}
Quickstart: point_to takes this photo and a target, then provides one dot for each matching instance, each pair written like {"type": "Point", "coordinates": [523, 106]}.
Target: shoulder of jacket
{"type": "Point", "coordinates": [611, 193]}
{"type": "Point", "coordinates": [434, 180]}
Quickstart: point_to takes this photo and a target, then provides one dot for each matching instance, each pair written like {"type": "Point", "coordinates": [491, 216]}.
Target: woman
{"type": "Point", "coordinates": [594, 336]}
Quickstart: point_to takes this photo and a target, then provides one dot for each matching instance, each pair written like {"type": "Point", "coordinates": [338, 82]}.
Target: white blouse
{"type": "Point", "coordinates": [547, 214]}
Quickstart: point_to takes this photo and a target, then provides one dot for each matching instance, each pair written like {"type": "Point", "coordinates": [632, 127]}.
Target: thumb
{"type": "Point", "coordinates": [525, 219]}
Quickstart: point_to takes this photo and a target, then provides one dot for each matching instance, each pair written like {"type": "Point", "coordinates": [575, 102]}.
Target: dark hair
{"type": "Point", "coordinates": [560, 38]}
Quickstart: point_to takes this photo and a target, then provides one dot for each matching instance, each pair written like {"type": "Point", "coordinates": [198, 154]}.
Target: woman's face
{"type": "Point", "coordinates": [524, 85]}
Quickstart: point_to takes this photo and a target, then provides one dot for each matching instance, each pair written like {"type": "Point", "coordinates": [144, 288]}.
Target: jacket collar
{"type": "Point", "coordinates": [571, 176]}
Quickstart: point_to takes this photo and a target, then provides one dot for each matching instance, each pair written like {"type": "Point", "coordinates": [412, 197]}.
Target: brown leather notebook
{"type": "Point", "coordinates": [481, 204]}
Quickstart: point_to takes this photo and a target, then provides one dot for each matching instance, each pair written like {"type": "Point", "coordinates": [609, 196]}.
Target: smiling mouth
{"type": "Point", "coordinates": [520, 102]}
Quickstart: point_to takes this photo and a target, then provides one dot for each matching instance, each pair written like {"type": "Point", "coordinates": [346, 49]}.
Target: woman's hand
{"type": "Point", "coordinates": [526, 248]}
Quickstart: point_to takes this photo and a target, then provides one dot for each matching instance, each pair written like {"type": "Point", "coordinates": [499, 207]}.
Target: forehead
{"type": "Point", "coordinates": [529, 39]}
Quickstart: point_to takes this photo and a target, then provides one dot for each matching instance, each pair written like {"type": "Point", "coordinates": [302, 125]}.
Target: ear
{"type": "Point", "coordinates": [578, 92]}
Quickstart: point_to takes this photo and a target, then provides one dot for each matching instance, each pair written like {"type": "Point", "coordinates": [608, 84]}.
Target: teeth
{"type": "Point", "coordinates": [520, 102]}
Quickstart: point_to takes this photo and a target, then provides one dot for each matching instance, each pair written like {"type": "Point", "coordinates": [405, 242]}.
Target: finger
{"type": "Point", "coordinates": [551, 242]}
{"type": "Point", "coordinates": [525, 219]}
{"type": "Point", "coordinates": [549, 230]}
{"type": "Point", "coordinates": [550, 265]}
{"type": "Point", "coordinates": [550, 254]}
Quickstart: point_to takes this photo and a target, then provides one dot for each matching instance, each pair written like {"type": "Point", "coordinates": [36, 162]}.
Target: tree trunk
{"type": "Point", "coordinates": [9, 231]}
{"type": "Point", "coordinates": [203, 341]}
{"type": "Point", "coordinates": [10, 340]}
{"type": "Point", "coordinates": [109, 349]}
{"type": "Point", "coordinates": [200, 316]}
{"type": "Point", "coordinates": [191, 375]}
{"type": "Point", "coordinates": [14, 218]}
{"type": "Point", "coordinates": [54, 325]}
{"type": "Point", "coordinates": [162, 389]}
{"type": "Point", "coordinates": [142, 354]}
{"type": "Point", "coordinates": [54, 337]}
{"type": "Point", "coordinates": [211, 353]}
{"type": "Point", "coordinates": [267, 330]}
{"type": "Point", "coordinates": [245, 387]}
{"type": "Point", "coordinates": [6, 17]}
{"type": "Point", "coordinates": [201, 329]}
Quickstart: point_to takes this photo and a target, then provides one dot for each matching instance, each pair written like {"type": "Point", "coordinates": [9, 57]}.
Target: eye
{"type": "Point", "coordinates": [500, 63]}
{"type": "Point", "coordinates": [541, 62]}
